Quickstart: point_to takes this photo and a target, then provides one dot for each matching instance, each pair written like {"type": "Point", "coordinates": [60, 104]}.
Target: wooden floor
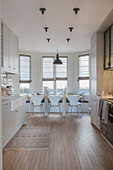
{"type": "Point", "coordinates": [74, 144]}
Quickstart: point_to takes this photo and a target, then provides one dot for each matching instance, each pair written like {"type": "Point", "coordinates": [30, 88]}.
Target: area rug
{"type": "Point", "coordinates": [30, 138]}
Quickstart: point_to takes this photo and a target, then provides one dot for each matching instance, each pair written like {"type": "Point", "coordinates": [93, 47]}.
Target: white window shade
{"type": "Point", "coordinates": [84, 66]}
{"type": "Point", "coordinates": [84, 74]}
{"type": "Point", "coordinates": [47, 68]}
{"type": "Point", "coordinates": [61, 70]}
{"type": "Point", "coordinates": [54, 76]}
{"type": "Point", "coordinates": [25, 69]}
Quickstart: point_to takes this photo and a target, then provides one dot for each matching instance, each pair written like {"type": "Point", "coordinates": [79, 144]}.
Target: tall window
{"type": "Point", "coordinates": [84, 74]}
{"type": "Point", "coordinates": [25, 73]}
{"type": "Point", "coordinates": [54, 76]}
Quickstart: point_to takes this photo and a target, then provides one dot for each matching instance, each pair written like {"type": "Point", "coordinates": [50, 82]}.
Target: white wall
{"type": "Point", "coordinates": [36, 70]}
{"type": "Point", "coordinates": [0, 102]}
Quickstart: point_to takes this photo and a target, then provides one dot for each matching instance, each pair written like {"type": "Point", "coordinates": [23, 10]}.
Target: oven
{"type": "Point", "coordinates": [110, 124]}
{"type": "Point", "coordinates": [107, 129]}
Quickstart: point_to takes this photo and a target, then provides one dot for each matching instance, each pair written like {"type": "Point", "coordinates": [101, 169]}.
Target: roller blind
{"type": "Point", "coordinates": [61, 70]}
{"type": "Point", "coordinates": [25, 69]}
{"type": "Point", "coordinates": [84, 67]}
{"type": "Point", "coordinates": [48, 70]}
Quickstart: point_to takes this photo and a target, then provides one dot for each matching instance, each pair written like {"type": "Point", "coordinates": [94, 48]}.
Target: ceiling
{"type": "Point", "coordinates": [27, 22]}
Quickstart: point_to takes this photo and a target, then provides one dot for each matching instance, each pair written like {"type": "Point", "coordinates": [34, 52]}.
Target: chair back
{"type": "Point", "coordinates": [54, 99]}
{"type": "Point", "coordinates": [73, 99]}
{"type": "Point", "coordinates": [37, 99]}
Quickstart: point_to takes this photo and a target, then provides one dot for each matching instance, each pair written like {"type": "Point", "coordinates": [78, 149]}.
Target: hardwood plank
{"type": "Point", "coordinates": [74, 144]}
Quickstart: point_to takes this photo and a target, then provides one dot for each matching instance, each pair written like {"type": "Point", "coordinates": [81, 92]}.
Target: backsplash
{"type": "Point", "coordinates": [107, 84]}
{"type": "Point", "coordinates": [6, 84]}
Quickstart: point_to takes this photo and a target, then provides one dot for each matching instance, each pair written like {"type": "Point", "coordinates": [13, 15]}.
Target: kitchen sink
{"type": "Point", "coordinates": [11, 97]}
{"type": "Point", "coordinates": [16, 103]}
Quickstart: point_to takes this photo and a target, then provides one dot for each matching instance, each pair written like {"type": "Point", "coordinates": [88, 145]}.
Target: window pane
{"type": "Point", "coordinates": [52, 72]}
{"type": "Point", "coordinates": [47, 67]}
{"type": "Point", "coordinates": [48, 84]}
{"type": "Point", "coordinates": [61, 84]}
{"type": "Point", "coordinates": [25, 68]}
{"type": "Point", "coordinates": [24, 88]}
{"type": "Point", "coordinates": [84, 86]}
{"type": "Point", "coordinates": [84, 66]}
{"type": "Point", "coordinates": [61, 70]}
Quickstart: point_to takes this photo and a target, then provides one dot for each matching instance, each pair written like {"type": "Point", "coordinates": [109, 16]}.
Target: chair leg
{"type": "Point", "coordinates": [59, 109]}
{"type": "Point", "coordinates": [77, 109]}
{"type": "Point", "coordinates": [67, 108]}
{"type": "Point", "coordinates": [40, 109]}
{"type": "Point", "coordinates": [71, 108]}
{"type": "Point", "coordinates": [49, 108]}
{"type": "Point", "coordinates": [80, 110]}
{"type": "Point", "coordinates": [33, 110]}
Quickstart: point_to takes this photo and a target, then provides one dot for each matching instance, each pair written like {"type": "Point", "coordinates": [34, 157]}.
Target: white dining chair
{"type": "Point", "coordinates": [73, 102]}
{"type": "Point", "coordinates": [36, 102]}
{"type": "Point", "coordinates": [54, 101]}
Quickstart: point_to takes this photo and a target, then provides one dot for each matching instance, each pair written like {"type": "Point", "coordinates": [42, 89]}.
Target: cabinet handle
{"type": "Point", "coordinates": [6, 104]}
{"type": "Point", "coordinates": [14, 68]}
{"type": "Point", "coordinates": [9, 66]}
{"type": "Point", "coordinates": [17, 111]}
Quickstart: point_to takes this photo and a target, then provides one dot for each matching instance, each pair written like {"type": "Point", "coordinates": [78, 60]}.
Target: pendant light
{"type": "Point", "coordinates": [57, 60]}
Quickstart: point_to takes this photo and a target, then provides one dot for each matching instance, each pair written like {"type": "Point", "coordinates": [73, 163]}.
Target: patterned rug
{"type": "Point", "coordinates": [30, 138]}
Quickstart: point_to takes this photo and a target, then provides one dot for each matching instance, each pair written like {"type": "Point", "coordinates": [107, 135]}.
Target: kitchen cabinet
{"type": "Point", "coordinates": [18, 118]}
{"type": "Point", "coordinates": [6, 47]}
{"type": "Point", "coordinates": [23, 113]}
{"type": "Point", "coordinates": [9, 50]}
{"type": "Point", "coordinates": [95, 119]}
{"type": "Point", "coordinates": [12, 120]}
{"type": "Point", "coordinates": [6, 122]}
{"type": "Point", "coordinates": [108, 48]}
{"type": "Point", "coordinates": [15, 54]}
{"type": "Point", "coordinates": [13, 124]}
{"type": "Point", "coordinates": [96, 78]}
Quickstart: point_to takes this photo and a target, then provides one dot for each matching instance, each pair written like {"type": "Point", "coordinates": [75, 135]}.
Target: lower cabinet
{"type": "Point", "coordinates": [12, 124]}
{"type": "Point", "coordinates": [11, 121]}
{"type": "Point", "coordinates": [18, 118]}
{"type": "Point", "coordinates": [6, 123]}
{"type": "Point", "coordinates": [94, 111]}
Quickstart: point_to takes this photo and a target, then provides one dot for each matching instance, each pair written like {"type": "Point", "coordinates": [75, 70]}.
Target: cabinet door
{"type": "Point", "coordinates": [11, 51]}
{"type": "Point", "coordinates": [23, 116]}
{"type": "Point", "coordinates": [6, 123]}
{"type": "Point", "coordinates": [94, 111]}
{"type": "Point", "coordinates": [6, 37]}
{"type": "Point", "coordinates": [13, 123]}
{"type": "Point", "coordinates": [18, 119]}
{"type": "Point", "coordinates": [111, 59]}
{"type": "Point", "coordinates": [15, 54]}
{"type": "Point", "coordinates": [2, 45]}
{"type": "Point", "coordinates": [106, 48]}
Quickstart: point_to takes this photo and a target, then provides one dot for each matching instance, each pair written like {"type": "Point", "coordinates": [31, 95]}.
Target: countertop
{"type": "Point", "coordinates": [108, 98]}
{"type": "Point", "coordinates": [7, 99]}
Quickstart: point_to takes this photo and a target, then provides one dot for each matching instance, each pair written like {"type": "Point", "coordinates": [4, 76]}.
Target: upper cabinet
{"type": "Point", "coordinates": [108, 48]}
{"type": "Point", "coordinates": [9, 50]}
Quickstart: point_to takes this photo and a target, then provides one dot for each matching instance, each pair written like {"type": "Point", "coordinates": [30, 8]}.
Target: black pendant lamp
{"type": "Point", "coordinates": [57, 60]}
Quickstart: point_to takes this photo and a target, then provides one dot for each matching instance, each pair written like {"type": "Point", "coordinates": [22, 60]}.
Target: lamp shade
{"type": "Point", "coordinates": [57, 60]}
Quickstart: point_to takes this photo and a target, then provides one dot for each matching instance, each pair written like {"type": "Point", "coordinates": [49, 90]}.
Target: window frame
{"type": "Point", "coordinates": [25, 81]}
{"type": "Point", "coordinates": [83, 78]}
{"type": "Point", "coordinates": [54, 79]}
